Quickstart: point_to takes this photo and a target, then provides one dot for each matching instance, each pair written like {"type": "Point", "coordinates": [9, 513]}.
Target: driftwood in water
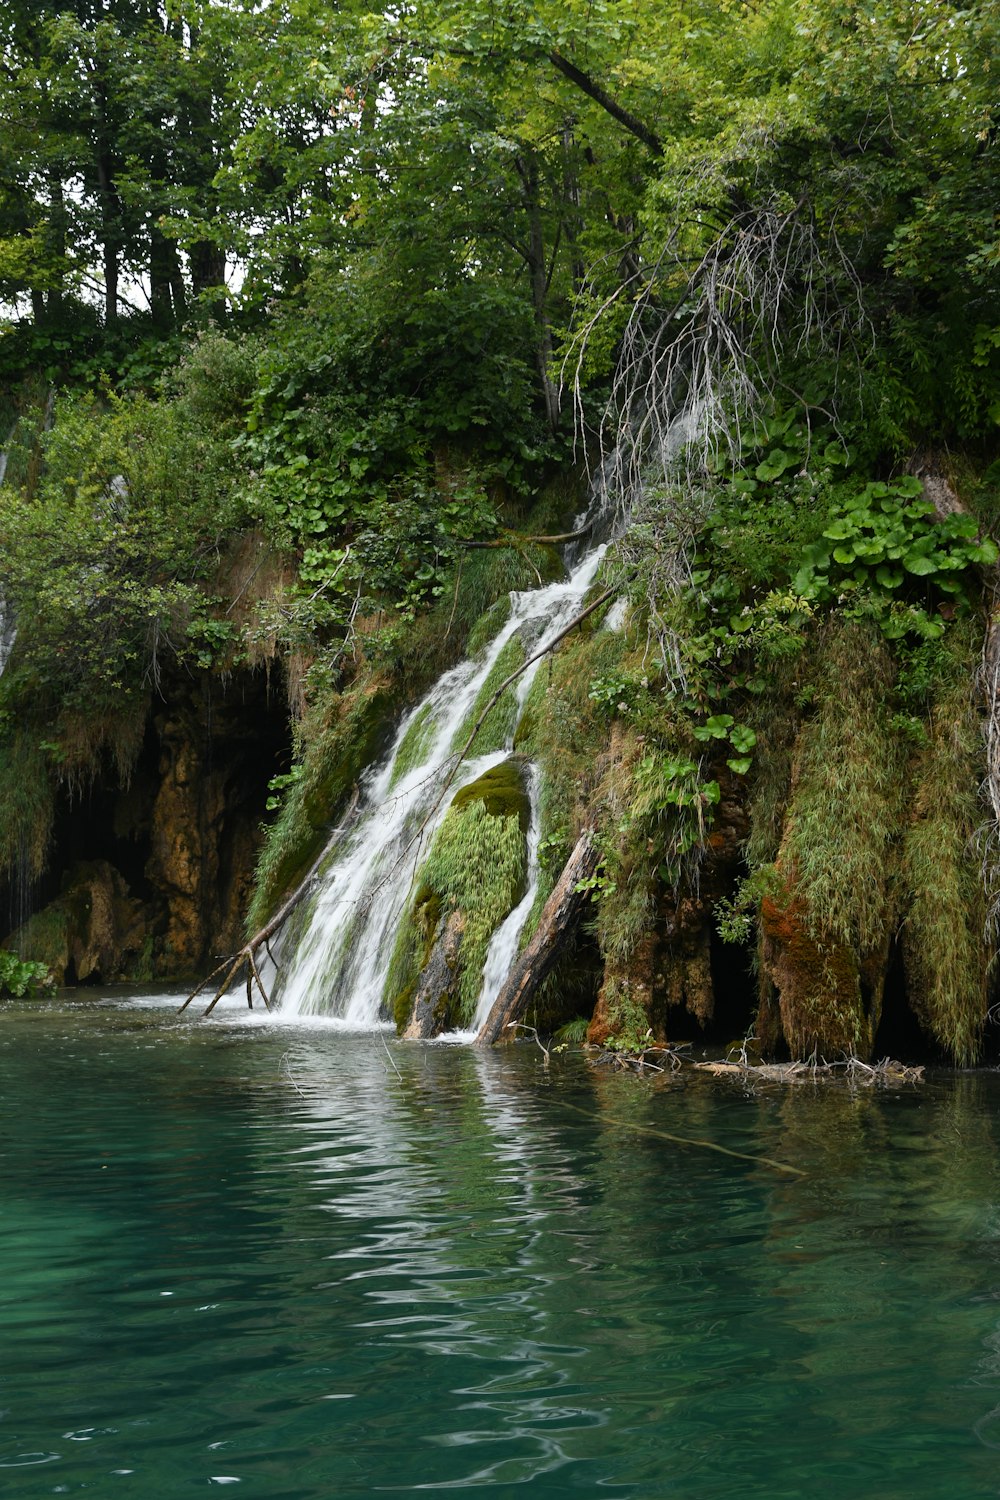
{"type": "Point", "coordinates": [246, 958]}
{"type": "Point", "coordinates": [559, 916]}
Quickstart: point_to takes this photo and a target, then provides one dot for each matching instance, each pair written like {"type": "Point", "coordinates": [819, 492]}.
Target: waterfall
{"type": "Point", "coordinates": [504, 945]}
{"type": "Point", "coordinates": [341, 959]}
{"type": "Point", "coordinates": [8, 632]}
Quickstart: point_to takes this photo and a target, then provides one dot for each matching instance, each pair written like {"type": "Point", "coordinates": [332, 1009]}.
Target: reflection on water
{"type": "Point", "coordinates": [314, 1263]}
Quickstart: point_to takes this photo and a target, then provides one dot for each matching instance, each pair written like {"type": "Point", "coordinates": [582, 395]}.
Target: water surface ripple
{"type": "Point", "coordinates": [310, 1263]}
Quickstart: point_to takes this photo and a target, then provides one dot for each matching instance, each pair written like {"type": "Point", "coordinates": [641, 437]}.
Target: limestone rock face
{"type": "Point", "coordinates": [94, 931]}
{"type": "Point", "coordinates": [185, 829]}
{"type": "Point", "coordinates": [151, 880]}
{"type": "Point", "coordinates": [203, 830]}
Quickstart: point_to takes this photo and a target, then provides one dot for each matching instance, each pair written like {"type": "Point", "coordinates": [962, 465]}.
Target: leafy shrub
{"type": "Point", "coordinates": [19, 978]}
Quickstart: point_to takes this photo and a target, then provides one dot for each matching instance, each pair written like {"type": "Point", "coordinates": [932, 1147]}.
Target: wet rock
{"type": "Point", "coordinates": [437, 987]}
{"type": "Point", "coordinates": [93, 932]}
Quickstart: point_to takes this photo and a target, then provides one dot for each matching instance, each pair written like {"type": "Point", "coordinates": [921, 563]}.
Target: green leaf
{"type": "Point", "coordinates": [919, 564]}
{"type": "Point", "coordinates": [908, 485]}
{"type": "Point", "coordinates": [987, 553]}
{"type": "Point", "coordinates": [742, 738]}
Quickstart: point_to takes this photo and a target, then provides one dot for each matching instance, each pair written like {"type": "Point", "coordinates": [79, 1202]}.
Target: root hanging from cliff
{"type": "Point", "coordinates": [710, 338]}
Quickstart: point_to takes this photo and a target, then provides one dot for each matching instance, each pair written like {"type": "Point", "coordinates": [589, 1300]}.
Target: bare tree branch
{"type": "Point", "coordinates": [600, 96]}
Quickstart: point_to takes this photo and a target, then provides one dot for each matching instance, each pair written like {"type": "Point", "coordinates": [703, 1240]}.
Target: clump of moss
{"type": "Point", "coordinates": [489, 625]}
{"type": "Point", "coordinates": [27, 805]}
{"type": "Point", "coordinates": [414, 944]}
{"type": "Point", "coordinates": [847, 797]}
{"type": "Point", "coordinates": [826, 935]}
{"type": "Point", "coordinates": [498, 728]}
{"type": "Point", "coordinates": [945, 953]}
{"type": "Point", "coordinates": [565, 731]}
{"type": "Point", "coordinates": [414, 745]}
{"type": "Point", "coordinates": [818, 983]}
{"type": "Point", "coordinates": [476, 866]}
{"type": "Point", "coordinates": [501, 792]}
{"type": "Point", "coordinates": [776, 718]}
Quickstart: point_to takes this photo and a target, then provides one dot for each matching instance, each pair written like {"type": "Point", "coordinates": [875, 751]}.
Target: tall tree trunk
{"type": "Point", "coordinates": [160, 291]}
{"type": "Point", "coordinates": [527, 167]}
{"type": "Point", "coordinates": [208, 271]}
{"type": "Point", "coordinates": [110, 236]}
{"type": "Point", "coordinates": [57, 236]}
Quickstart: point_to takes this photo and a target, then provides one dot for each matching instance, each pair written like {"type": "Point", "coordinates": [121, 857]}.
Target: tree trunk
{"type": "Point", "coordinates": [208, 271]}
{"type": "Point", "coordinates": [555, 926]}
{"type": "Point", "coordinates": [110, 235]}
{"type": "Point", "coordinates": [527, 168]}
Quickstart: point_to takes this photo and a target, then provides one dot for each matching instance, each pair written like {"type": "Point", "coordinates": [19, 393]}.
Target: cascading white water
{"type": "Point", "coordinates": [341, 961]}
{"type": "Point", "coordinates": [8, 633]}
{"type": "Point", "coordinates": [504, 943]}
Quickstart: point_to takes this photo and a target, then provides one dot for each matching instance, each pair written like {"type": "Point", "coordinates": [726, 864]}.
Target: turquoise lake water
{"type": "Point", "coordinates": [303, 1263]}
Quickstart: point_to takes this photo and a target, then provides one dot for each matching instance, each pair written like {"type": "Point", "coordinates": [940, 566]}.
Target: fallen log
{"type": "Point", "coordinates": [246, 958]}
{"type": "Point", "coordinates": [559, 917]}
{"type": "Point", "coordinates": [518, 539]}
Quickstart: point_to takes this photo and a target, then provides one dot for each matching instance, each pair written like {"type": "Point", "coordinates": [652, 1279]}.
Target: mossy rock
{"type": "Point", "coordinates": [93, 931]}
{"type": "Point", "coordinates": [489, 625]}
{"type": "Point", "coordinates": [498, 728]}
{"type": "Point", "coordinates": [415, 940]}
{"type": "Point", "coordinates": [502, 793]}
{"type": "Point", "coordinates": [472, 878]}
